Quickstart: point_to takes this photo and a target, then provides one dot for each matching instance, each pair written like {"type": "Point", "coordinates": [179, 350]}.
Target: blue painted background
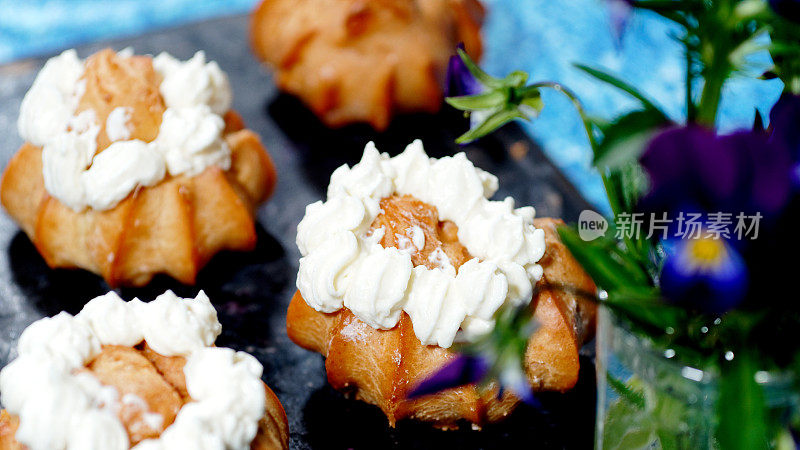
{"type": "Point", "coordinates": [542, 37]}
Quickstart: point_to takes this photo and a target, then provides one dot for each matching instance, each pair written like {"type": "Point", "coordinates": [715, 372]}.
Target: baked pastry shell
{"type": "Point", "coordinates": [273, 428]}
{"type": "Point", "coordinates": [174, 227]}
{"type": "Point", "coordinates": [356, 61]}
{"type": "Point", "coordinates": [381, 366]}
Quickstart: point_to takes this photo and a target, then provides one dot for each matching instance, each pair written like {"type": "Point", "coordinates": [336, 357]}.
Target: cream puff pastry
{"type": "Point", "coordinates": [134, 166]}
{"type": "Point", "coordinates": [364, 60]}
{"type": "Point", "coordinates": [408, 255]}
{"type": "Point", "coordinates": [147, 376]}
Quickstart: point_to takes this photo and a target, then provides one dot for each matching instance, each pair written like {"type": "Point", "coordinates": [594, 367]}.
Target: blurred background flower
{"type": "Point", "coordinates": [493, 361]}
{"type": "Point", "coordinates": [460, 371]}
{"type": "Point", "coordinates": [459, 80]}
{"type": "Point", "coordinates": [692, 168]}
{"type": "Point", "coordinates": [784, 119]}
{"type": "Point", "coordinates": [703, 273]}
{"type": "Point", "coordinates": [619, 14]}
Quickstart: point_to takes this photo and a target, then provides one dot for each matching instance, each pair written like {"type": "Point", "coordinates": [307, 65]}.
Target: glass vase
{"type": "Point", "coordinates": [647, 399]}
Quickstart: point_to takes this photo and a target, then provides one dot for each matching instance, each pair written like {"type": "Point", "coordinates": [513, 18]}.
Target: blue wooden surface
{"type": "Point", "coordinates": [539, 36]}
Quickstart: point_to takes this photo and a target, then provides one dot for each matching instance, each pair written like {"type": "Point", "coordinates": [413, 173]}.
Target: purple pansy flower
{"type": "Point", "coordinates": [619, 14]}
{"type": "Point", "coordinates": [459, 79]}
{"type": "Point", "coordinates": [514, 379]}
{"type": "Point", "coordinates": [688, 167]}
{"type": "Point", "coordinates": [784, 119]}
{"type": "Point", "coordinates": [704, 273]}
{"type": "Point", "coordinates": [691, 167]}
{"type": "Point", "coordinates": [461, 82]}
{"type": "Point", "coordinates": [470, 369]}
{"type": "Point", "coordinates": [763, 173]}
{"type": "Point", "coordinates": [460, 371]}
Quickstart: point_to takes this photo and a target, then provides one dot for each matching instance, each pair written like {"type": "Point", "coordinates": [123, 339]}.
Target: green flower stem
{"type": "Point", "coordinates": [710, 98]}
{"type": "Point", "coordinates": [613, 198]}
{"type": "Point", "coordinates": [587, 126]}
{"type": "Point", "coordinates": [691, 111]}
{"type": "Point", "coordinates": [573, 98]}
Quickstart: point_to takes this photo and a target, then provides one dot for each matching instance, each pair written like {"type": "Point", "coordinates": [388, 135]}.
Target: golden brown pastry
{"type": "Point", "coordinates": [8, 426]}
{"type": "Point", "coordinates": [159, 380]}
{"type": "Point", "coordinates": [381, 366]}
{"type": "Point", "coordinates": [149, 390]}
{"type": "Point", "coordinates": [407, 255]}
{"type": "Point", "coordinates": [173, 224]}
{"type": "Point", "coordinates": [364, 60]}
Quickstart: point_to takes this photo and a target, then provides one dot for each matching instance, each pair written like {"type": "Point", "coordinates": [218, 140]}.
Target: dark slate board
{"type": "Point", "coordinates": [252, 291]}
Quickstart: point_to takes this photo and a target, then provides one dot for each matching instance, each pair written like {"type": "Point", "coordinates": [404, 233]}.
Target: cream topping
{"type": "Point", "coordinates": [50, 103]}
{"type": "Point", "coordinates": [194, 82]}
{"type": "Point", "coordinates": [62, 408]}
{"type": "Point", "coordinates": [412, 241]}
{"type": "Point", "coordinates": [196, 93]}
{"type": "Point", "coordinates": [343, 264]}
{"type": "Point", "coordinates": [118, 170]}
{"type": "Point", "coordinates": [117, 124]}
{"type": "Point", "coordinates": [190, 139]}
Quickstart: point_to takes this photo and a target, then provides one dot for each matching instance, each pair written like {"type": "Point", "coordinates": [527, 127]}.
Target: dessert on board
{"type": "Point", "coordinates": [405, 257]}
{"type": "Point", "coordinates": [134, 165]}
{"type": "Point", "coordinates": [364, 61]}
{"type": "Point", "coordinates": [147, 376]}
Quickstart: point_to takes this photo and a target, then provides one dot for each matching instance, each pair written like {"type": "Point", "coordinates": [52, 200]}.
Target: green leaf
{"type": "Point", "coordinates": [613, 191]}
{"type": "Point", "coordinates": [485, 79]}
{"type": "Point", "coordinates": [749, 9]}
{"type": "Point", "coordinates": [626, 138]}
{"type": "Point", "coordinates": [487, 100]}
{"type": "Point", "coordinates": [626, 427]}
{"type": "Point", "coordinates": [638, 438]}
{"type": "Point", "coordinates": [516, 78]}
{"type": "Point", "coordinates": [739, 56]}
{"type": "Point", "coordinates": [619, 84]}
{"type": "Point", "coordinates": [491, 123]}
{"type": "Point", "coordinates": [741, 407]}
{"type": "Point", "coordinates": [615, 188]}
{"type": "Point", "coordinates": [624, 187]}
{"type": "Point", "coordinates": [633, 184]}
{"type": "Point", "coordinates": [533, 101]}
{"type": "Point", "coordinates": [603, 266]}
{"type": "Point", "coordinates": [645, 308]}
{"type": "Point", "coordinates": [629, 261]}
{"type": "Point", "coordinates": [785, 441]}
{"type": "Point", "coordinates": [632, 396]}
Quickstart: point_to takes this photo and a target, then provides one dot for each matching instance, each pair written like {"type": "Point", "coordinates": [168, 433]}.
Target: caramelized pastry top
{"type": "Point", "coordinates": [122, 374]}
{"type": "Point", "coordinates": [116, 122]}
{"type": "Point", "coordinates": [418, 235]}
{"type": "Point", "coordinates": [130, 83]}
{"type": "Point", "coordinates": [364, 60]}
{"type": "Point", "coordinates": [404, 216]}
{"type": "Point", "coordinates": [148, 402]}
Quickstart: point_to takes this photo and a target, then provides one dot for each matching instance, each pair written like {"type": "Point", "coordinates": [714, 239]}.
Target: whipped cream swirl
{"type": "Point", "coordinates": [196, 94]}
{"type": "Point", "coordinates": [343, 265]}
{"type": "Point", "coordinates": [63, 407]}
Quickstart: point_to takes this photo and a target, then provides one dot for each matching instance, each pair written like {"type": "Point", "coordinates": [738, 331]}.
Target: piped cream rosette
{"type": "Point", "coordinates": [62, 407]}
{"type": "Point", "coordinates": [344, 265]}
{"type": "Point", "coordinates": [196, 93]}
